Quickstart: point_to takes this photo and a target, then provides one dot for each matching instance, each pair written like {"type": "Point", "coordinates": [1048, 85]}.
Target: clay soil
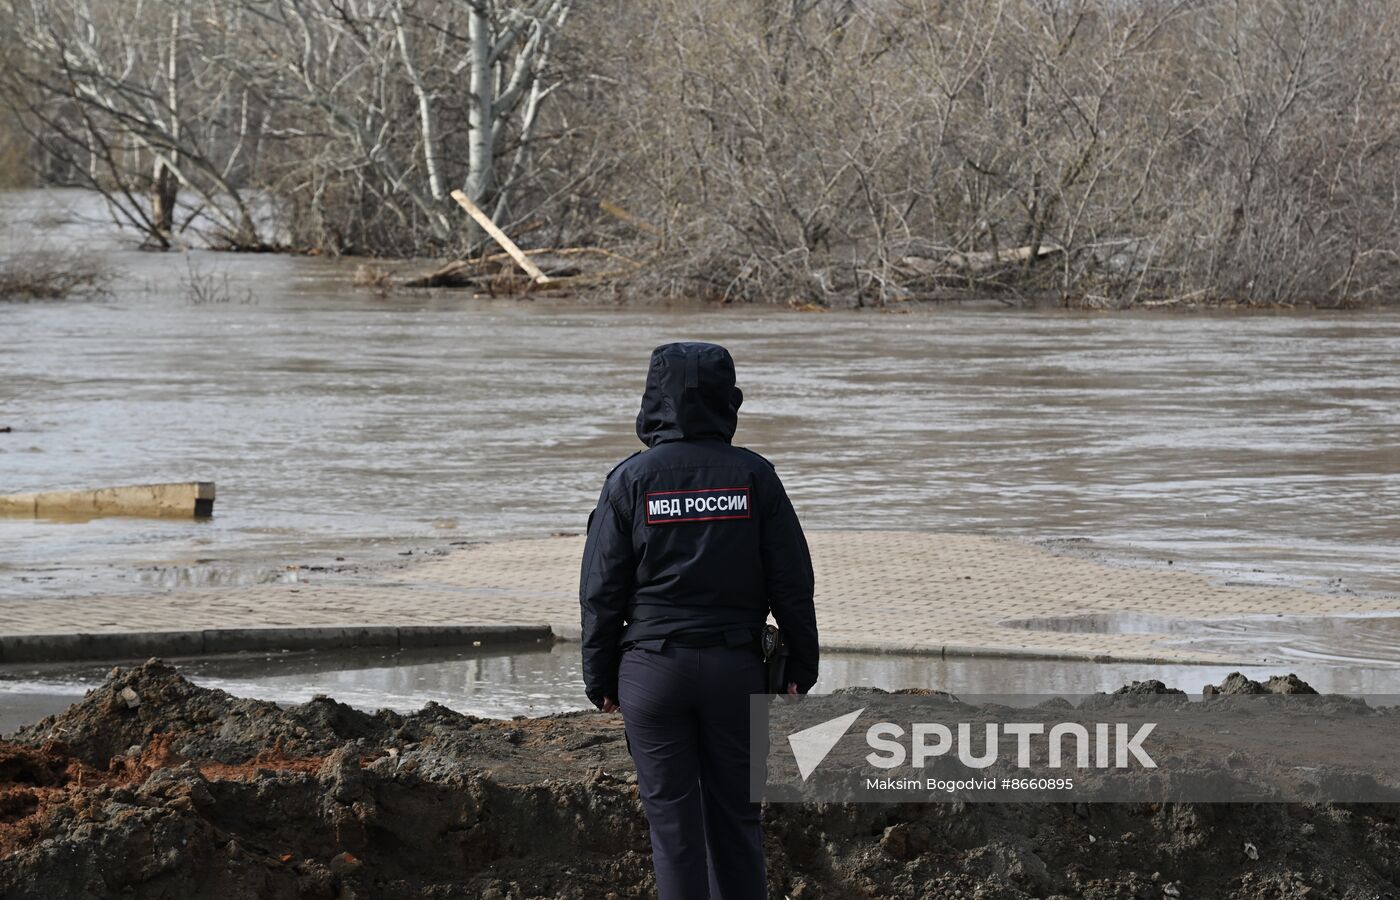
{"type": "Point", "coordinates": [154, 787]}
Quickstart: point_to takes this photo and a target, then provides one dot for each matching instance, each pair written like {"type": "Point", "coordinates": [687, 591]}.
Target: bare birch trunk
{"type": "Point", "coordinates": [480, 119]}
{"type": "Point", "coordinates": [165, 188]}
{"type": "Point", "coordinates": [427, 122]}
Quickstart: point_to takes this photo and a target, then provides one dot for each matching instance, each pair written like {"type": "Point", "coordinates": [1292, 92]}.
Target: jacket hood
{"type": "Point", "coordinates": [690, 395]}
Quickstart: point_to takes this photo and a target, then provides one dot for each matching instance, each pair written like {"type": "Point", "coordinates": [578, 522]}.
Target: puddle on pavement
{"type": "Point", "coordinates": [539, 682]}
{"type": "Point", "coordinates": [1368, 640]}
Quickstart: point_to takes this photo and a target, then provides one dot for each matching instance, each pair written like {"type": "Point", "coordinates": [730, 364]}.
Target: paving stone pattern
{"type": "Point", "coordinates": [877, 590]}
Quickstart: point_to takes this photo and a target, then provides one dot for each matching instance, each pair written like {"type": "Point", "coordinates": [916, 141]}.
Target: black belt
{"type": "Point", "coordinates": [739, 616]}
{"type": "Point", "coordinates": [734, 637]}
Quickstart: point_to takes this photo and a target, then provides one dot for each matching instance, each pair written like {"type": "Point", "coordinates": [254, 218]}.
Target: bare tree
{"type": "Point", "coordinates": [132, 97]}
{"type": "Point", "coordinates": [1080, 151]}
{"type": "Point", "coordinates": [398, 102]}
{"type": "Point", "coordinates": [155, 100]}
{"type": "Point", "coordinates": [1083, 152]}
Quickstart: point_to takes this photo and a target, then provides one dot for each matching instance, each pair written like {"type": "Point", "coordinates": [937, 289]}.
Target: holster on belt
{"type": "Point", "coordinates": [775, 653]}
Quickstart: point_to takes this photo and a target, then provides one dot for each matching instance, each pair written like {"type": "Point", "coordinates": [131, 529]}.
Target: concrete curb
{"type": "Point", "coordinates": [572, 632]}
{"type": "Point", "coordinates": [974, 651]}
{"type": "Point", "coordinates": [567, 631]}
{"type": "Point", "coordinates": [33, 648]}
{"type": "Point", "coordinates": [21, 648]}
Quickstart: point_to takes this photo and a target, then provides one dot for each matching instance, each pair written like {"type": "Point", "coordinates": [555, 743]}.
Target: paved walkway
{"type": "Point", "coordinates": [880, 591]}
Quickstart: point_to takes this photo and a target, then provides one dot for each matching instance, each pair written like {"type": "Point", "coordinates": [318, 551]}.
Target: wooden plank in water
{"type": "Point", "coordinates": [190, 499]}
{"type": "Point", "coordinates": [500, 237]}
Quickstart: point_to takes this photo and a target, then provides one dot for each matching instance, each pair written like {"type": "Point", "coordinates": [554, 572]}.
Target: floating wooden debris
{"type": "Point", "coordinates": [188, 499]}
{"type": "Point", "coordinates": [516, 270]}
{"type": "Point", "coordinates": [500, 237]}
{"type": "Point", "coordinates": [565, 268]}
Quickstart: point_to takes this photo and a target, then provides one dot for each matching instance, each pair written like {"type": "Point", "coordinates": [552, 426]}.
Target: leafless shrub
{"type": "Point", "coordinates": [204, 288]}
{"type": "Point", "coordinates": [1087, 151]}
{"type": "Point", "coordinates": [49, 275]}
{"type": "Point", "coordinates": [1093, 152]}
{"type": "Point", "coordinates": [377, 278]}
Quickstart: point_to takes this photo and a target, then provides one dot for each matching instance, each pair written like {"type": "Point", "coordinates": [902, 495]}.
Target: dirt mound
{"type": "Point", "coordinates": [133, 705]}
{"type": "Point", "coordinates": [1235, 683]}
{"type": "Point", "coordinates": [152, 786]}
{"type": "Point", "coordinates": [1151, 687]}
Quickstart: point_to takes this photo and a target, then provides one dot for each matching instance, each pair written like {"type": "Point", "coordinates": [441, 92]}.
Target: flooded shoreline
{"type": "Point", "coordinates": [495, 684]}
{"type": "Point", "coordinates": [345, 429]}
{"type": "Point", "coordinates": [351, 433]}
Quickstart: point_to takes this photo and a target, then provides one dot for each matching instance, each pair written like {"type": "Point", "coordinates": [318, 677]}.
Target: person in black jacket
{"type": "Point", "coordinates": [693, 543]}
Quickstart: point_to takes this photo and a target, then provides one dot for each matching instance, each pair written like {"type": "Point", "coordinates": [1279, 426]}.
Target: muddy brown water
{"type": "Point", "coordinates": [337, 423]}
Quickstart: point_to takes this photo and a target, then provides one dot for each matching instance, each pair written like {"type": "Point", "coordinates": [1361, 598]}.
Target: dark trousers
{"type": "Point", "coordinates": [686, 711]}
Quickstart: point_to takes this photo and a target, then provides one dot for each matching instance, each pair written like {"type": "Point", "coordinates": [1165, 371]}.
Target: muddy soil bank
{"type": "Point", "coordinates": [154, 787]}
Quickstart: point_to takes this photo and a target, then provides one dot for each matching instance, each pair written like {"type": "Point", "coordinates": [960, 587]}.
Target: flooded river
{"type": "Point", "coordinates": [341, 424]}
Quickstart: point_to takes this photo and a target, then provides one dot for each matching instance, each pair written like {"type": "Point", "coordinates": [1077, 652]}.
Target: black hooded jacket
{"type": "Point", "coordinates": [693, 538]}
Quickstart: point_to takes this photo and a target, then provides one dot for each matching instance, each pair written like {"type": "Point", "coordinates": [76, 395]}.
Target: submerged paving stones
{"type": "Point", "coordinates": [876, 590]}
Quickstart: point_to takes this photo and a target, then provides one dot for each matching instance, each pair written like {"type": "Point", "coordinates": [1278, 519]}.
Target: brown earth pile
{"type": "Point", "coordinates": [154, 787]}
